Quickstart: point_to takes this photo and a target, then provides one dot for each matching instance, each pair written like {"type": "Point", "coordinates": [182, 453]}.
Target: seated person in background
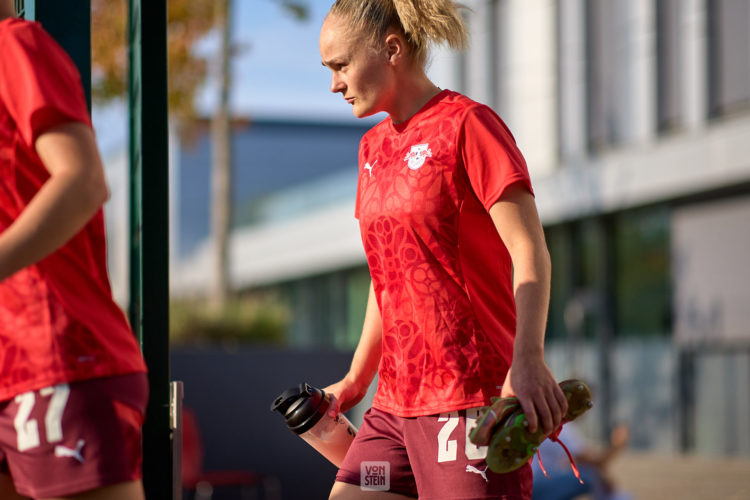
{"type": "Point", "coordinates": [592, 464]}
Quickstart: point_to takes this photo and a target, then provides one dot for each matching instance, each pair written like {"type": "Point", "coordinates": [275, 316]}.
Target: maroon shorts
{"type": "Point", "coordinates": [427, 457]}
{"type": "Point", "coordinates": [71, 438]}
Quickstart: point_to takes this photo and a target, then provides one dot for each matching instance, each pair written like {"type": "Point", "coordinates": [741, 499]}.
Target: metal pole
{"type": "Point", "coordinates": [686, 399]}
{"type": "Point", "coordinates": [69, 23]}
{"type": "Point", "coordinates": [149, 222]}
{"type": "Point", "coordinates": [20, 6]}
{"type": "Point", "coordinates": [606, 324]}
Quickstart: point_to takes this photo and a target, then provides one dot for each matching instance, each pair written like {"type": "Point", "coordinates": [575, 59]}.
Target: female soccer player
{"type": "Point", "coordinates": [459, 266]}
{"type": "Point", "coordinates": [73, 387]}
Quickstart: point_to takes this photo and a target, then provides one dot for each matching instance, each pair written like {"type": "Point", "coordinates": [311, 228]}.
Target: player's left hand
{"type": "Point", "coordinates": [543, 402]}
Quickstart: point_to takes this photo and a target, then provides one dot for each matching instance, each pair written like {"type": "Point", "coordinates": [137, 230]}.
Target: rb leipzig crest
{"type": "Point", "coordinates": [417, 156]}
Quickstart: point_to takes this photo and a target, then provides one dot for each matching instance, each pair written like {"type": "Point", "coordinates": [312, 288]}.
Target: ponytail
{"type": "Point", "coordinates": [422, 21]}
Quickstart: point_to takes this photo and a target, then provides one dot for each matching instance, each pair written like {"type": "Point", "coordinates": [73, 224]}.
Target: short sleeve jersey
{"type": "Point", "coordinates": [58, 321]}
{"type": "Point", "coordinates": [440, 271]}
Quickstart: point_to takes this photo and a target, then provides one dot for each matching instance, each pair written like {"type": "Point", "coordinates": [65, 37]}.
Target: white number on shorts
{"type": "Point", "coordinates": [447, 449]}
{"type": "Point", "coordinates": [53, 418]}
{"type": "Point", "coordinates": [27, 430]}
{"type": "Point", "coordinates": [473, 452]}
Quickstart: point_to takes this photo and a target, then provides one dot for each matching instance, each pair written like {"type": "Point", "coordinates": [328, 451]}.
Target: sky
{"type": "Point", "coordinates": [276, 74]}
{"type": "Point", "coordinates": [280, 74]}
{"type": "Point", "coordinates": [278, 71]}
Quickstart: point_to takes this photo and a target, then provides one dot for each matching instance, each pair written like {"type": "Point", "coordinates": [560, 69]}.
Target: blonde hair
{"type": "Point", "coordinates": [422, 22]}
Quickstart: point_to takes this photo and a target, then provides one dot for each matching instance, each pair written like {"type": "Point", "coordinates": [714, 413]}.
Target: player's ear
{"type": "Point", "coordinates": [394, 48]}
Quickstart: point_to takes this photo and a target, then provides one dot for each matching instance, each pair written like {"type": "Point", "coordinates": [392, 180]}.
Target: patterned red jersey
{"type": "Point", "coordinates": [441, 273]}
{"type": "Point", "coordinates": [58, 322]}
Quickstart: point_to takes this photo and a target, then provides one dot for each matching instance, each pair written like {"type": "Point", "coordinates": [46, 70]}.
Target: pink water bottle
{"type": "Point", "coordinates": [305, 410]}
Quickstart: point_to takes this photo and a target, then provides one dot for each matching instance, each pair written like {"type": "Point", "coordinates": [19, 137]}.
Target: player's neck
{"type": "Point", "coordinates": [412, 97]}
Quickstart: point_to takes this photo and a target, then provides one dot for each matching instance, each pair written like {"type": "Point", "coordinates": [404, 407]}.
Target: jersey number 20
{"type": "Point", "coordinates": [447, 447]}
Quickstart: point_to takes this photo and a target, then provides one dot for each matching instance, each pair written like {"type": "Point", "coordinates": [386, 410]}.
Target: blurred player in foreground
{"type": "Point", "coordinates": [73, 387]}
{"type": "Point", "coordinates": [459, 266]}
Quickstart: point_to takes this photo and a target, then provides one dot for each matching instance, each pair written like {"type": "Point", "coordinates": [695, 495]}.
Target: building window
{"type": "Point", "coordinates": [611, 272]}
{"type": "Point", "coordinates": [327, 309]}
{"type": "Point", "coordinates": [728, 61]}
{"type": "Point", "coordinates": [642, 291]}
{"type": "Point", "coordinates": [668, 68]}
{"type": "Point", "coordinates": [578, 282]}
{"type": "Point", "coordinates": [559, 245]}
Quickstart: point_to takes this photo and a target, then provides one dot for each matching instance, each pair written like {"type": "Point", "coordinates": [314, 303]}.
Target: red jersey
{"type": "Point", "coordinates": [58, 321]}
{"type": "Point", "coordinates": [441, 273]}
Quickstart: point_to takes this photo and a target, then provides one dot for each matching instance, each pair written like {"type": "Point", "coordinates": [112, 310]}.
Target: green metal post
{"type": "Point", "coordinates": [149, 271]}
{"type": "Point", "coordinates": [21, 9]}
{"type": "Point", "coordinates": [69, 23]}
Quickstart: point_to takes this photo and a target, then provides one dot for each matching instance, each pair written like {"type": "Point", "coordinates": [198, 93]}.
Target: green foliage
{"type": "Point", "coordinates": [298, 10]}
{"type": "Point", "coordinates": [250, 320]}
{"type": "Point", "coordinates": [188, 21]}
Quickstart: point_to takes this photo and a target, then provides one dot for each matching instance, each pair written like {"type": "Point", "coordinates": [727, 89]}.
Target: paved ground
{"type": "Point", "coordinates": [682, 477]}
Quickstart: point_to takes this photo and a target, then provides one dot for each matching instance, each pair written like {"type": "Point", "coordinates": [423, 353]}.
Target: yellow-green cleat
{"type": "Point", "coordinates": [503, 427]}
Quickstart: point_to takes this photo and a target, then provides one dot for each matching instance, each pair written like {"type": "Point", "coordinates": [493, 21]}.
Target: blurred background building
{"type": "Point", "coordinates": [634, 118]}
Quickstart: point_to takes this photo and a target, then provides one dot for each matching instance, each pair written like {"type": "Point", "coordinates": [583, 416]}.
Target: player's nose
{"type": "Point", "coordinates": [337, 84]}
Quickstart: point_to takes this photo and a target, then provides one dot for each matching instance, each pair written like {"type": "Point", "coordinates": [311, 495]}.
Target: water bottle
{"type": "Point", "coordinates": [305, 410]}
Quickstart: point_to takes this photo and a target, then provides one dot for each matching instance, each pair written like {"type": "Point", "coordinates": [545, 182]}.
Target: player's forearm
{"type": "Point", "coordinates": [73, 193]}
{"type": "Point", "coordinates": [66, 202]}
{"type": "Point", "coordinates": [531, 286]}
{"type": "Point", "coordinates": [367, 355]}
{"type": "Point", "coordinates": [517, 222]}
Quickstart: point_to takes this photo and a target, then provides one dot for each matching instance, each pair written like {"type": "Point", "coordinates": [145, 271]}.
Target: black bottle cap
{"type": "Point", "coordinates": [302, 407]}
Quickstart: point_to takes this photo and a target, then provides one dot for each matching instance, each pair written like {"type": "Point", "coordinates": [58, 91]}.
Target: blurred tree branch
{"type": "Point", "coordinates": [298, 10]}
{"type": "Point", "coordinates": [187, 22]}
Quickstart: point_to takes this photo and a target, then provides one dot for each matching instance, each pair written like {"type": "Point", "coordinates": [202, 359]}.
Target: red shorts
{"type": "Point", "coordinates": [71, 438]}
{"type": "Point", "coordinates": [427, 457]}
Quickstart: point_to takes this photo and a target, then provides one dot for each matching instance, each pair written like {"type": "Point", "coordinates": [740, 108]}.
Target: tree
{"type": "Point", "coordinates": [187, 22]}
{"type": "Point", "coordinates": [221, 154]}
{"type": "Point", "coordinates": [221, 163]}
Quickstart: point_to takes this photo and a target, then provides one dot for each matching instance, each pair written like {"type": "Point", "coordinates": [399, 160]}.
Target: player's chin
{"type": "Point", "coordinates": [361, 111]}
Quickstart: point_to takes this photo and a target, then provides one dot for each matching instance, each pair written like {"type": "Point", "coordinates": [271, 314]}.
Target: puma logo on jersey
{"type": "Point", "coordinates": [369, 167]}
{"type": "Point", "coordinates": [64, 451]}
{"type": "Point", "coordinates": [483, 473]}
{"type": "Point", "coordinates": [417, 156]}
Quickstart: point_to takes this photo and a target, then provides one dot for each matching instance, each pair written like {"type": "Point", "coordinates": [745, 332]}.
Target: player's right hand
{"type": "Point", "coordinates": [543, 402]}
{"type": "Point", "coordinates": [345, 394]}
